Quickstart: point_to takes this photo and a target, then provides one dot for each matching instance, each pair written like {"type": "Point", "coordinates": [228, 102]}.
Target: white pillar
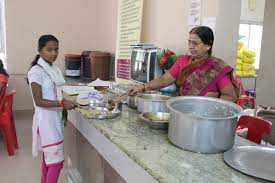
{"type": "Point", "coordinates": [266, 82]}
{"type": "Point", "coordinates": [227, 30]}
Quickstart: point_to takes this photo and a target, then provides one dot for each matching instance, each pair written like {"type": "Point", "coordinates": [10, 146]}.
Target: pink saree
{"type": "Point", "coordinates": [200, 77]}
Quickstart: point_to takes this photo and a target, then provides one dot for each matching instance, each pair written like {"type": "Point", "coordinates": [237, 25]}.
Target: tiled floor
{"type": "Point", "coordinates": [22, 168]}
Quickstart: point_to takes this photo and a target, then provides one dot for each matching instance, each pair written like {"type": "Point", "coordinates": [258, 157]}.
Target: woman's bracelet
{"type": "Point", "coordinates": [144, 87]}
{"type": "Point", "coordinates": [61, 103]}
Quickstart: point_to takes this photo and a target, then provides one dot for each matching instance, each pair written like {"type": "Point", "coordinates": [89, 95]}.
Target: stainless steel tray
{"type": "Point", "coordinates": [156, 120]}
{"type": "Point", "coordinates": [257, 161]}
{"type": "Point", "coordinates": [99, 112]}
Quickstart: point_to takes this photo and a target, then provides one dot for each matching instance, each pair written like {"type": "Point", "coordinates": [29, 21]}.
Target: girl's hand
{"type": "Point", "coordinates": [69, 104]}
{"type": "Point", "coordinates": [136, 89]}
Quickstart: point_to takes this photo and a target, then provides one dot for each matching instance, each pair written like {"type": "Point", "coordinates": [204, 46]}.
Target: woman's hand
{"type": "Point", "coordinates": [213, 94]}
{"type": "Point", "coordinates": [136, 89]}
{"type": "Point", "coordinates": [69, 104]}
{"type": "Point", "coordinates": [154, 84]}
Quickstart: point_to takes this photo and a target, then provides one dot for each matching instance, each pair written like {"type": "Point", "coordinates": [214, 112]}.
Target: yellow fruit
{"type": "Point", "coordinates": [238, 67]}
{"type": "Point", "coordinates": [249, 73]}
{"type": "Point", "coordinates": [252, 73]}
{"type": "Point", "coordinates": [239, 73]}
{"type": "Point", "coordinates": [245, 59]}
{"type": "Point", "coordinates": [246, 67]}
{"type": "Point", "coordinates": [249, 53]}
{"type": "Point", "coordinates": [240, 45]}
{"type": "Point", "coordinates": [240, 54]}
{"type": "Point", "coordinates": [251, 60]}
{"type": "Point", "coordinates": [239, 61]}
{"type": "Point", "coordinates": [245, 73]}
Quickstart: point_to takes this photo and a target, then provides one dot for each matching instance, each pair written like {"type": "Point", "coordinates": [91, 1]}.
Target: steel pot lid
{"type": "Point", "coordinates": [257, 161]}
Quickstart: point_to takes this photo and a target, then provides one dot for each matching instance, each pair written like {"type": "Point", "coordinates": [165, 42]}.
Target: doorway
{"type": "Point", "coordinates": [250, 38]}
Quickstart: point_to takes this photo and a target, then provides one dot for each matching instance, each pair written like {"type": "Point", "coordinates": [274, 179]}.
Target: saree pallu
{"type": "Point", "coordinates": [200, 77]}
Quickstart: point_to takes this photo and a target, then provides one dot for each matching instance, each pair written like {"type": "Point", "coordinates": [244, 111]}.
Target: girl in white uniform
{"type": "Point", "coordinates": [45, 81]}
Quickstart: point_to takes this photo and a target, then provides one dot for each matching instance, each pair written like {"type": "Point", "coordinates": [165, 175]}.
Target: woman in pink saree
{"type": "Point", "coordinates": [197, 74]}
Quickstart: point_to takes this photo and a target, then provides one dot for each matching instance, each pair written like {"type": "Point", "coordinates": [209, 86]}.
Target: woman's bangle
{"type": "Point", "coordinates": [61, 103]}
{"type": "Point", "coordinates": [144, 88]}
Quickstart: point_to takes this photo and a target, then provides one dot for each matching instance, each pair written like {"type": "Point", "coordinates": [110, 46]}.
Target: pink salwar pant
{"type": "Point", "coordinates": [51, 173]}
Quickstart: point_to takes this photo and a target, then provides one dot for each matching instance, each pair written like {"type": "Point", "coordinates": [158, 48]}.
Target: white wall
{"type": "Point", "coordinates": [255, 16]}
{"type": "Point", "coordinates": [166, 25]}
{"type": "Point", "coordinates": [91, 24]}
{"type": "Point", "coordinates": [79, 25]}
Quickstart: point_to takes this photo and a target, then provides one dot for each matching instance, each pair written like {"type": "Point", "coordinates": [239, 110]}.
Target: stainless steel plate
{"type": "Point", "coordinates": [99, 113]}
{"type": "Point", "coordinates": [156, 120]}
{"type": "Point", "coordinates": [257, 161]}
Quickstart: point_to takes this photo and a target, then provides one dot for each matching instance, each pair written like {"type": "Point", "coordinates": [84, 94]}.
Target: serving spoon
{"type": "Point", "coordinates": [112, 103]}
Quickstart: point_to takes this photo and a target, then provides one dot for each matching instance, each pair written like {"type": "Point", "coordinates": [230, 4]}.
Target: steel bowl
{"type": "Point", "coordinates": [156, 120]}
{"type": "Point", "coordinates": [152, 103]}
{"type": "Point", "coordinates": [133, 100]}
{"type": "Point", "coordinates": [202, 124]}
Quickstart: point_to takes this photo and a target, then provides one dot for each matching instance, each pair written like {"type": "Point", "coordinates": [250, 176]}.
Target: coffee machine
{"type": "Point", "coordinates": [144, 64]}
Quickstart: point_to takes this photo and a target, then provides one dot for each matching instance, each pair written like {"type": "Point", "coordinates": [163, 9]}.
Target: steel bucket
{"type": "Point", "coordinates": [152, 103]}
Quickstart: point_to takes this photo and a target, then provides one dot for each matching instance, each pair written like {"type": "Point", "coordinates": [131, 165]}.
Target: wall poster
{"type": "Point", "coordinates": [195, 12]}
{"type": "Point", "coordinates": [128, 32]}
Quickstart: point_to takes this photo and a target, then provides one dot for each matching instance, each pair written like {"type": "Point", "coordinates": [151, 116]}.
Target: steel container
{"type": "Point", "coordinates": [152, 103]}
{"type": "Point", "coordinates": [156, 120]}
{"type": "Point", "coordinates": [132, 100]}
{"type": "Point", "coordinates": [202, 124]}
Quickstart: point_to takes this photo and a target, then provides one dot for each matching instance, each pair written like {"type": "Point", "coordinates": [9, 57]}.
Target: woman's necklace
{"type": "Point", "coordinates": [205, 57]}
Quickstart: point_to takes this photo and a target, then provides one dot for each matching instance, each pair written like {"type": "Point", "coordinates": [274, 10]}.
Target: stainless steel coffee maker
{"type": "Point", "coordinates": [144, 64]}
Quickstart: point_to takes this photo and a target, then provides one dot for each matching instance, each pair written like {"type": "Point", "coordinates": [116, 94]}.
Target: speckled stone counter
{"type": "Point", "coordinates": [151, 150]}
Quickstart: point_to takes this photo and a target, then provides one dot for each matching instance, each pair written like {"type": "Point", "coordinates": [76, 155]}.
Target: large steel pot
{"type": "Point", "coordinates": [202, 124]}
{"type": "Point", "coordinates": [152, 103]}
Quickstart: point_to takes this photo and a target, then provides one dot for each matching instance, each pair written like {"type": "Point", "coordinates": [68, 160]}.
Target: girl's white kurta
{"type": "Point", "coordinates": [47, 126]}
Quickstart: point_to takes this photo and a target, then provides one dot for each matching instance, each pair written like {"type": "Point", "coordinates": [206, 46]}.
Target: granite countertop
{"type": "Point", "coordinates": [167, 163]}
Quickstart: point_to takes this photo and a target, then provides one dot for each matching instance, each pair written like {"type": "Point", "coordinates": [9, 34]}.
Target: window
{"type": "Point", "coordinates": [2, 32]}
{"type": "Point", "coordinates": [252, 38]}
